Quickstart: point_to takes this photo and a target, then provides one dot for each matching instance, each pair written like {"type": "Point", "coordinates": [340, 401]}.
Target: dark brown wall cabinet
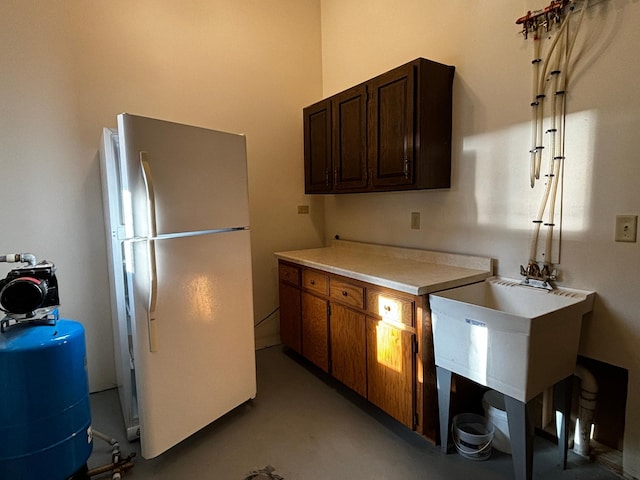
{"type": "Point", "coordinates": [392, 132]}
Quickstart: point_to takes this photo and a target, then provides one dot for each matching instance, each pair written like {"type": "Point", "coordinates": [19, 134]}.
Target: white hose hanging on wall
{"type": "Point", "coordinates": [557, 58]}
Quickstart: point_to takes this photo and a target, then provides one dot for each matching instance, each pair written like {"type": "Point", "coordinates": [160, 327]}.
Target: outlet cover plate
{"type": "Point", "coordinates": [626, 228]}
{"type": "Point", "coordinates": [415, 220]}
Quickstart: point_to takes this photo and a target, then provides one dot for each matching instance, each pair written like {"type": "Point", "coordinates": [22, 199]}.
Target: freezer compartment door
{"type": "Point", "coordinates": [194, 343]}
{"type": "Point", "coordinates": [187, 178]}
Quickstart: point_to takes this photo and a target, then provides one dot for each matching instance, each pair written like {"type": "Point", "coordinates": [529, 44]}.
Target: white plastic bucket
{"type": "Point", "coordinates": [472, 436]}
{"type": "Point", "coordinates": [495, 411]}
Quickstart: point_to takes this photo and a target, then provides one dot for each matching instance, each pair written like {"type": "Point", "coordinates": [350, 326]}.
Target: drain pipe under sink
{"type": "Point", "coordinates": [586, 409]}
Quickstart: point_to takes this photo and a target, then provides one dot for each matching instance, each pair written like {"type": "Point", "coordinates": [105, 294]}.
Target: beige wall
{"type": "Point", "coordinates": [489, 207]}
{"type": "Point", "coordinates": [68, 67]}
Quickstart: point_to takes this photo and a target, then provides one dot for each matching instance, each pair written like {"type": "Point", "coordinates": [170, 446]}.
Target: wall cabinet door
{"type": "Point", "coordinates": [318, 171]}
{"type": "Point", "coordinates": [349, 141]}
{"type": "Point", "coordinates": [391, 128]}
{"type": "Point", "coordinates": [348, 348]}
{"type": "Point", "coordinates": [391, 370]}
{"type": "Point", "coordinates": [290, 331]}
{"type": "Point", "coordinates": [315, 330]}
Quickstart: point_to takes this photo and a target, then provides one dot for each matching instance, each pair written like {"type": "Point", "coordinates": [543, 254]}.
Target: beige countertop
{"type": "Point", "coordinates": [413, 271]}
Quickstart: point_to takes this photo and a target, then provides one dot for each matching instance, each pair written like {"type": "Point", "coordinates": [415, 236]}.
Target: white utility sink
{"type": "Point", "coordinates": [516, 339]}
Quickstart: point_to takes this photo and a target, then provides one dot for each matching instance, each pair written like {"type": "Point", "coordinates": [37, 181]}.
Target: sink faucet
{"type": "Point", "coordinates": [536, 277]}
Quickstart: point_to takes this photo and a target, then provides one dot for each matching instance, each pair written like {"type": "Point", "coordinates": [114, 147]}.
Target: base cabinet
{"type": "Point", "coordinates": [391, 370]}
{"type": "Point", "coordinates": [315, 337]}
{"type": "Point", "coordinates": [363, 335]}
{"type": "Point", "coordinates": [290, 327]}
{"type": "Point", "coordinates": [348, 348]}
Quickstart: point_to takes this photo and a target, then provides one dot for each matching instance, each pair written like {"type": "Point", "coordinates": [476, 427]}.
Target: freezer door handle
{"type": "Point", "coordinates": [151, 196]}
{"type": "Point", "coordinates": [153, 297]}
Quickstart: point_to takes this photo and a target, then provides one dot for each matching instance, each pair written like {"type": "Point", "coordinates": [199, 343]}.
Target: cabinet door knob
{"type": "Point", "coordinates": [312, 282]}
{"type": "Point", "coordinates": [345, 293]}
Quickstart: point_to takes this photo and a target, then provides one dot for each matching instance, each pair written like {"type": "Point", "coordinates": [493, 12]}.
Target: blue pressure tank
{"type": "Point", "coordinates": [45, 417]}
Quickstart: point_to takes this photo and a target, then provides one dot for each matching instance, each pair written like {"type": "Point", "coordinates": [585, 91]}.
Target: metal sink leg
{"type": "Point", "coordinates": [443, 378]}
{"type": "Point", "coordinates": [521, 435]}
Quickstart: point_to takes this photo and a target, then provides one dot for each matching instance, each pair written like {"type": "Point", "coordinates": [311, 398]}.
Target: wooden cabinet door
{"type": "Point", "coordinates": [391, 128]}
{"type": "Point", "coordinates": [391, 370]}
{"type": "Point", "coordinates": [349, 145]}
{"type": "Point", "coordinates": [290, 331]}
{"type": "Point", "coordinates": [348, 348]}
{"type": "Point", "coordinates": [315, 326]}
{"type": "Point", "coordinates": [318, 173]}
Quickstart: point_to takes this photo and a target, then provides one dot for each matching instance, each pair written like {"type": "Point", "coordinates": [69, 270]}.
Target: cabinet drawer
{"type": "Point", "coordinates": [347, 293]}
{"type": "Point", "coordinates": [391, 307]}
{"type": "Point", "coordinates": [315, 281]}
{"type": "Point", "coordinates": [289, 274]}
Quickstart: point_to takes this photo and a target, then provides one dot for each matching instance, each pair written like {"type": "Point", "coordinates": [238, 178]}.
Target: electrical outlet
{"type": "Point", "coordinates": [303, 209]}
{"type": "Point", "coordinates": [415, 220]}
{"type": "Point", "coordinates": [626, 227]}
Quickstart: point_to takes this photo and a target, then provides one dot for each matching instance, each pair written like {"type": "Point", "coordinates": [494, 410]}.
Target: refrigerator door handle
{"type": "Point", "coordinates": [153, 297]}
{"type": "Point", "coordinates": [151, 195]}
{"type": "Point", "coordinates": [153, 274]}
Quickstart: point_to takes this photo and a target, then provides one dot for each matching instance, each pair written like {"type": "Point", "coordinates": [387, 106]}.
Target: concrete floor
{"type": "Point", "coordinates": [309, 428]}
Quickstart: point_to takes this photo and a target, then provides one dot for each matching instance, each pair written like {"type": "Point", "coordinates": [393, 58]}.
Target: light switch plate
{"type": "Point", "coordinates": [626, 228]}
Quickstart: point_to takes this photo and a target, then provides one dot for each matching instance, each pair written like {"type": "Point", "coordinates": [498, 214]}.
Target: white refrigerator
{"type": "Point", "coordinates": [178, 241]}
